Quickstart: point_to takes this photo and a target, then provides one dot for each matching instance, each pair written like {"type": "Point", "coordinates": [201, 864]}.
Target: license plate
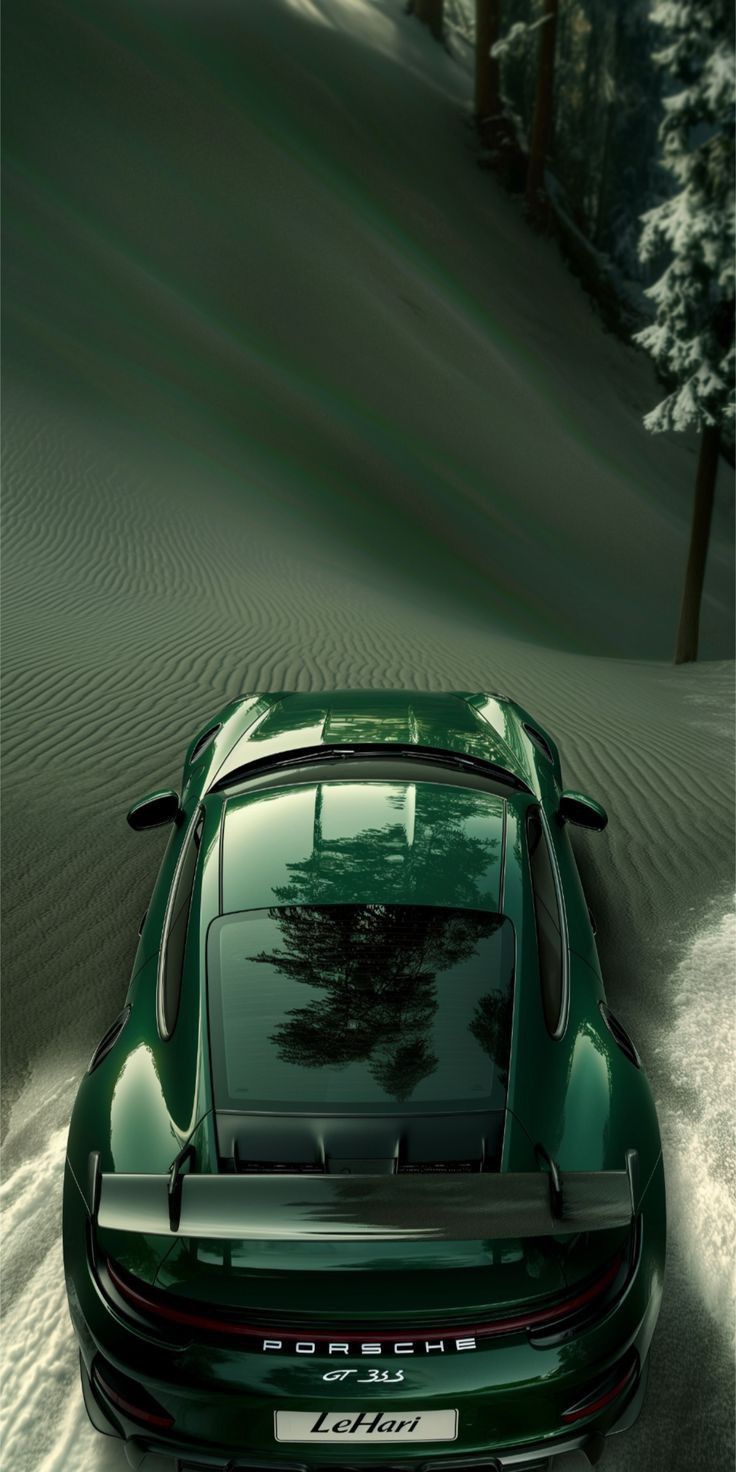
{"type": "Point", "coordinates": [379, 1427]}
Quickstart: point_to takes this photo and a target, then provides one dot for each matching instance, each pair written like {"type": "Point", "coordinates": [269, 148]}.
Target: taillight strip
{"type": "Point", "coordinates": [491, 1327]}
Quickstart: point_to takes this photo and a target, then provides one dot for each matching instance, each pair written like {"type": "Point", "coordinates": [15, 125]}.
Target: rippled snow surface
{"type": "Point", "coordinates": [45, 1427]}
{"type": "Point", "coordinates": [698, 1123]}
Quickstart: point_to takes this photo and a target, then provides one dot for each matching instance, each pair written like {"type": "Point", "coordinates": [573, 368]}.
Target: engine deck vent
{"type": "Point", "coordinates": [439, 1167]}
{"type": "Point", "coordinates": [278, 1168]}
{"type": "Point", "coordinates": [619, 1034]}
{"type": "Point", "coordinates": [110, 1038]}
{"type": "Point", "coordinates": [537, 739]}
{"type": "Point", "coordinates": [205, 740]}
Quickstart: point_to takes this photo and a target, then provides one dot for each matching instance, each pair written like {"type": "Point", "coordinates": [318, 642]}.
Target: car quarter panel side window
{"type": "Point", "coordinates": [176, 932]}
{"type": "Point", "coordinates": [549, 923]}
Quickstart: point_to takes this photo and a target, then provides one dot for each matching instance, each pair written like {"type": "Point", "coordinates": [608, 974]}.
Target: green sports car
{"type": "Point", "coordinates": [366, 1174]}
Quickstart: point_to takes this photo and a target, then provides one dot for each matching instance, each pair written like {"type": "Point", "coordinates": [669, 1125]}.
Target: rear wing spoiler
{"type": "Point", "coordinates": [365, 1208]}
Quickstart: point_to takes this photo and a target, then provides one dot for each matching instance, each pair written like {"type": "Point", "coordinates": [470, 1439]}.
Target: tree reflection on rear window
{"type": "Point", "coordinates": [370, 1006]}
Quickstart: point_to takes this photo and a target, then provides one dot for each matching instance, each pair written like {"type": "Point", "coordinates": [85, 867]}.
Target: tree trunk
{"type": "Point", "coordinates": [603, 196]}
{"type": "Point", "coordinates": [487, 78]}
{"type": "Point", "coordinates": [429, 12]}
{"type": "Point", "coordinates": [543, 109]}
{"type": "Point", "coordinates": [705, 484]}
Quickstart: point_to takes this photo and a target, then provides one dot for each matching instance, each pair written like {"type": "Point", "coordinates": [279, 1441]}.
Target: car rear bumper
{"type": "Point", "coordinates": [534, 1457]}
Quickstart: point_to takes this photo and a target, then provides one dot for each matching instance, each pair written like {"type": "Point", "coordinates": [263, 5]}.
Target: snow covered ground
{"type": "Point", "coordinates": [294, 399]}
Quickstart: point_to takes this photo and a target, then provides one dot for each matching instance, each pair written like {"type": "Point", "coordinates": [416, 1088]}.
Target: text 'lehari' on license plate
{"type": "Point", "coordinates": [375, 1426]}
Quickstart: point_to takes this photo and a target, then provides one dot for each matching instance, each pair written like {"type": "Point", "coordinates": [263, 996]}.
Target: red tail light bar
{"type": "Point", "coordinates": [158, 1305]}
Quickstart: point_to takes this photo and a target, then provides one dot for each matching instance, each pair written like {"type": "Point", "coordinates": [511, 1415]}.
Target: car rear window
{"type": "Point", "coordinates": [364, 1006]}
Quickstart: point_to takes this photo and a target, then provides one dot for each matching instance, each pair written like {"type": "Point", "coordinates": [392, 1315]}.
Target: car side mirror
{"type": "Point", "coordinates": [583, 811]}
{"type": "Point", "coordinates": [153, 810]}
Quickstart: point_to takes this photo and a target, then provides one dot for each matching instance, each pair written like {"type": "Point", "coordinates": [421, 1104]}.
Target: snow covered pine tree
{"type": "Point", "coordinates": [692, 336]}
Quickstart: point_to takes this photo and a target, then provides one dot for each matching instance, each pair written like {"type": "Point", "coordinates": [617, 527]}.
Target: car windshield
{"type": "Point", "coordinates": [360, 1006]}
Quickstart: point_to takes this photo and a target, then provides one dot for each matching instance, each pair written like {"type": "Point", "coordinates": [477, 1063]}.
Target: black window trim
{"type": "Point", "coordinates": [366, 770]}
{"type": "Point", "coordinates": [559, 1030]}
{"type": "Point", "coordinates": [163, 1031]}
{"type": "Point", "coordinates": [333, 754]}
{"type": "Point", "coordinates": [502, 874]}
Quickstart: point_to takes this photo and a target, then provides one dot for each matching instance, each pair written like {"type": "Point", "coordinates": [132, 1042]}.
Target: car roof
{"type": "Point", "coordinates": [377, 841]}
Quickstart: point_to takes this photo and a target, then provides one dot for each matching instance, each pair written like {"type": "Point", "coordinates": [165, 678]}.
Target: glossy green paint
{"type": "Point", "coordinates": [263, 726]}
{"type": "Point", "coordinates": [370, 842]}
{"type": "Point", "coordinates": [360, 840]}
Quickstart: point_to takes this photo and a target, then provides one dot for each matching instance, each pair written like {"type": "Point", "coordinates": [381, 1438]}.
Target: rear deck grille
{"type": "Point", "coordinates": [316, 1168]}
{"type": "Point", "coordinates": [439, 1167]}
{"type": "Point", "coordinates": [278, 1168]}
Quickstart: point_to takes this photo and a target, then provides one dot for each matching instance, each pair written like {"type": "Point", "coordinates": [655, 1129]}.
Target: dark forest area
{"type": "Point", "coordinates": [616, 123]}
{"type": "Point", "coordinates": [603, 161]}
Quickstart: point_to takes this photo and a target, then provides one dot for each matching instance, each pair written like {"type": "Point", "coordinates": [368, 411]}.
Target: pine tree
{"type": "Point", "coordinates": [519, 40]}
{"type": "Point", "coordinates": [487, 79]}
{"type": "Point", "coordinates": [543, 120]}
{"type": "Point", "coordinates": [692, 336]}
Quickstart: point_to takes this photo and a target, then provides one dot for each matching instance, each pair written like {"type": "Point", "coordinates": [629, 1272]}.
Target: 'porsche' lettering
{"type": "Point", "coordinates": [352, 1347]}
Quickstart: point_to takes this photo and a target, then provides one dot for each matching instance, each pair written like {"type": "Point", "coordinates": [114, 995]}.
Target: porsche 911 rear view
{"type": "Point", "coordinates": [367, 1173]}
